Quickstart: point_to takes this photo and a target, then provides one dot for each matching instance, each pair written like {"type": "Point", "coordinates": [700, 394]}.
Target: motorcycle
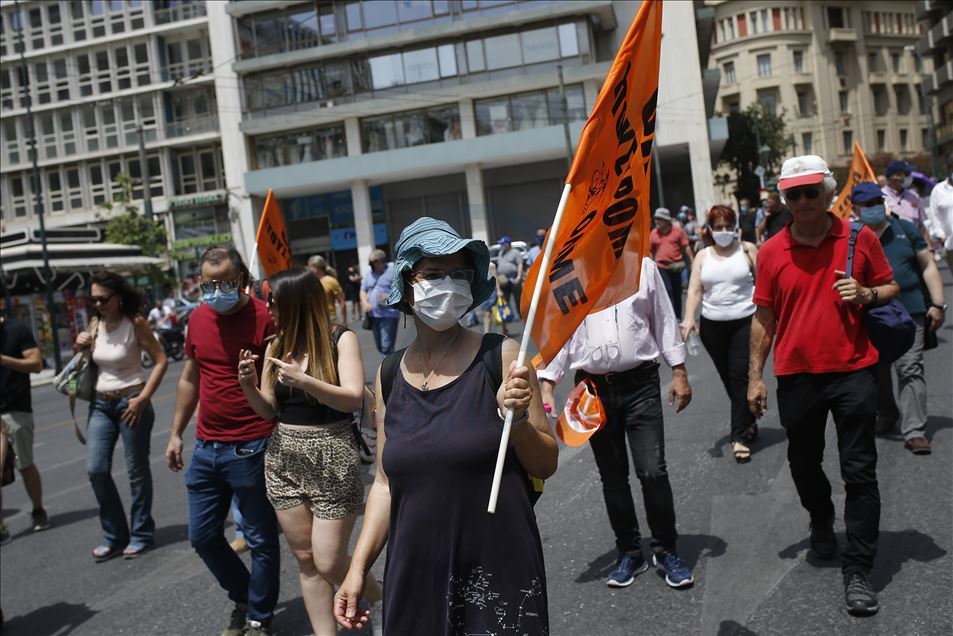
{"type": "Point", "coordinates": [172, 341]}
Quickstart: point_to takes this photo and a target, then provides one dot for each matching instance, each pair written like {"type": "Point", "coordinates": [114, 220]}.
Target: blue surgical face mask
{"type": "Point", "coordinates": [222, 302]}
{"type": "Point", "coordinates": [907, 182]}
{"type": "Point", "coordinates": [874, 215]}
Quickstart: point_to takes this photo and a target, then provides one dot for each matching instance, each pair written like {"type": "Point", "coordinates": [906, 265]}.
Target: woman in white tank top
{"type": "Point", "coordinates": [722, 282]}
{"type": "Point", "coordinates": [118, 336]}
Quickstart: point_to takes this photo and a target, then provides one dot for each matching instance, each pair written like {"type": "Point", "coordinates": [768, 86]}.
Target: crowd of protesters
{"type": "Point", "coordinates": [277, 379]}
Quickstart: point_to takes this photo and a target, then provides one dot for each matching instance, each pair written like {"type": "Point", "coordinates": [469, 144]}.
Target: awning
{"type": "Point", "coordinates": [76, 257]}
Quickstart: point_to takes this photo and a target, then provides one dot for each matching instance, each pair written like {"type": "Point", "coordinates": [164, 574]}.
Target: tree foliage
{"type": "Point", "coordinates": [129, 227]}
{"type": "Point", "coordinates": [741, 151]}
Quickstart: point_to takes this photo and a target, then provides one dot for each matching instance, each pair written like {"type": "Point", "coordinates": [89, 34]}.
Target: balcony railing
{"type": "Point", "coordinates": [191, 127]}
{"type": "Point", "coordinates": [178, 11]}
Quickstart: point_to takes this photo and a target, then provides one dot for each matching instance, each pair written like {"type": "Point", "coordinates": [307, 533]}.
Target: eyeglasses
{"type": "Point", "coordinates": [795, 193]}
{"type": "Point", "coordinates": [463, 275]}
{"type": "Point", "coordinates": [101, 300]}
{"type": "Point", "coordinates": [224, 286]}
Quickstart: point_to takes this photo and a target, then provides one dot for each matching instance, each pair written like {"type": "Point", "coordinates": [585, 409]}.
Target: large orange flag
{"type": "Point", "coordinates": [274, 252]}
{"type": "Point", "coordinates": [604, 231]}
{"type": "Point", "coordinates": [860, 171]}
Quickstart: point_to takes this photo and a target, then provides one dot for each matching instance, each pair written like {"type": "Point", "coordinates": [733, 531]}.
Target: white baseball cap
{"type": "Point", "coordinates": [803, 170]}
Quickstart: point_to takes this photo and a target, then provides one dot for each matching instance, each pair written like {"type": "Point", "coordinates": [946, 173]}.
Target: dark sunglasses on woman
{"type": "Point", "coordinates": [795, 193]}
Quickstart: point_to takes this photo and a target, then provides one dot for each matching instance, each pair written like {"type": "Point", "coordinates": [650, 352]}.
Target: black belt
{"type": "Point", "coordinates": [620, 378]}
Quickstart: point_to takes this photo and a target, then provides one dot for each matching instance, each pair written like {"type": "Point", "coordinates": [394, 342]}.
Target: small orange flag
{"type": "Point", "coordinates": [604, 232]}
{"type": "Point", "coordinates": [274, 251]}
{"type": "Point", "coordinates": [860, 171]}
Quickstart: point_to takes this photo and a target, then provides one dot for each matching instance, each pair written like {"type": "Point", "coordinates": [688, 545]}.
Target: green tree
{"type": "Point", "coordinates": [129, 227]}
{"type": "Point", "coordinates": [742, 153]}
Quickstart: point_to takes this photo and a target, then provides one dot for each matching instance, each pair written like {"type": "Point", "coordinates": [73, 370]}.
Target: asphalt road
{"type": "Point", "coordinates": [741, 527]}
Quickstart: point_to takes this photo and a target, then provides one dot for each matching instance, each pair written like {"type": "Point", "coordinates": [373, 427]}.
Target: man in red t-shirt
{"type": "Point", "coordinates": [825, 363]}
{"type": "Point", "coordinates": [670, 250]}
{"type": "Point", "coordinates": [230, 441]}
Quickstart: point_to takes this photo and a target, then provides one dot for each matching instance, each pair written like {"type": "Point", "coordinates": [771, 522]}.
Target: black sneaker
{"type": "Point", "coordinates": [823, 541]}
{"type": "Point", "coordinates": [257, 628]}
{"type": "Point", "coordinates": [236, 622]}
{"type": "Point", "coordinates": [40, 520]}
{"type": "Point", "coordinates": [859, 595]}
{"type": "Point", "coordinates": [626, 569]}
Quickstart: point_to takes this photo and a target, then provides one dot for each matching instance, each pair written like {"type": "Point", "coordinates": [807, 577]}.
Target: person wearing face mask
{"type": "Point", "coordinates": [912, 265]}
{"type": "Point", "coordinates": [537, 247]}
{"type": "Point", "coordinates": [438, 406]}
{"type": "Point", "coordinates": [375, 286]}
{"type": "Point", "coordinates": [901, 200]}
{"type": "Point", "coordinates": [230, 441]}
{"type": "Point", "coordinates": [722, 282]}
{"type": "Point", "coordinates": [671, 250]}
{"type": "Point", "coordinates": [747, 221]}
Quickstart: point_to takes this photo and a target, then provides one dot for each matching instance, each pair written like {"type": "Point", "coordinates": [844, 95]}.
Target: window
{"type": "Point", "coordinates": [807, 142]}
{"type": "Point", "coordinates": [769, 103]}
{"type": "Point", "coordinates": [54, 191]}
{"type": "Point", "coordinates": [523, 111]}
{"type": "Point", "coordinates": [880, 99]}
{"type": "Point", "coordinates": [300, 146]}
{"type": "Point", "coordinates": [837, 18]}
{"type": "Point", "coordinates": [843, 102]}
{"type": "Point", "coordinates": [502, 51]}
{"type": "Point", "coordinates": [729, 72]}
{"type": "Point", "coordinates": [873, 62]}
{"type": "Point", "coordinates": [902, 95]}
{"type": "Point", "coordinates": [881, 140]}
{"type": "Point", "coordinates": [904, 147]}
{"type": "Point", "coordinates": [798, 61]}
{"type": "Point", "coordinates": [200, 169]}
{"type": "Point", "coordinates": [47, 135]}
{"type": "Point", "coordinates": [754, 22]}
{"type": "Point", "coordinates": [85, 78]}
{"type": "Point", "coordinates": [803, 103]}
{"type": "Point", "coordinates": [61, 79]}
{"type": "Point", "coordinates": [54, 24]}
{"type": "Point", "coordinates": [90, 128]}
{"type": "Point", "coordinates": [74, 190]}
{"type": "Point", "coordinates": [67, 132]}
{"type": "Point", "coordinates": [764, 65]}
{"type": "Point", "coordinates": [11, 141]}
{"type": "Point", "coordinates": [19, 193]}
{"type": "Point", "coordinates": [895, 61]}
{"type": "Point", "coordinates": [41, 83]}
{"type": "Point", "coordinates": [847, 136]}
{"type": "Point", "coordinates": [742, 25]}
{"type": "Point", "coordinates": [411, 128]}
{"type": "Point", "coordinates": [97, 185]}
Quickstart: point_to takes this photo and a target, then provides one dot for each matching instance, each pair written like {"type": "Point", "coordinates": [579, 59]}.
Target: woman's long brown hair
{"type": "Point", "coordinates": [304, 326]}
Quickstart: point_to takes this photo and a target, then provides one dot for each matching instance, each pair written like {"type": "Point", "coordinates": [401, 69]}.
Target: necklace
{"type": "Point", "coordinates": [426, 386]}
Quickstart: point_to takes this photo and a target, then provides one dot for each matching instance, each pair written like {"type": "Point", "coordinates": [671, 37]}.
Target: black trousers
{"type": "Point", "coordinates": [804, 400]}
{"type": "Point", "coordinates": [728, 343]}
{"type": "Point", "coordinates": [634, 415]}
{"type": "Point", "coordinates": [673, 285]}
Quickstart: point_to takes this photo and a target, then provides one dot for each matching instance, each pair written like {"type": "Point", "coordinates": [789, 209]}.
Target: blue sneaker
{"type": "Point", "coordinates": [676, 571]}
{"type": "Point", "coordinates": [626, 569]}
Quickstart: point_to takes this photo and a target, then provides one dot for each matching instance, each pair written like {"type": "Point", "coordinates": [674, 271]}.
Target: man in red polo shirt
{"type": "Point", "coordinates": [824, 362]}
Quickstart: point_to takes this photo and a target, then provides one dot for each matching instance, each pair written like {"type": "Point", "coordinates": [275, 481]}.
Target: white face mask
{"type": "Point", "coordinates": [441, 303]}
{"type": "Point", "coordinates": [724, 239]}
{"type": "Point", "coordinates": [907, 182]}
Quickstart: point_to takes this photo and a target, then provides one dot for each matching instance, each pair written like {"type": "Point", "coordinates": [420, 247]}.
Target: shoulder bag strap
{"type": "Point", "coordinates": [492, 353]}
{"type": "Point", "coordinates": [751, 267]}
{"type": "Point", "coordinates": [389, 369]}
{"type": "Point", "coordinates": [855, 227]}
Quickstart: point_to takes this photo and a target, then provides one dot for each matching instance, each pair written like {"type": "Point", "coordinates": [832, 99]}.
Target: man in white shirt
{"type": "Point", "coordinates": [941, 212]}
{"type": "Point", "coordinates": [617, 348]}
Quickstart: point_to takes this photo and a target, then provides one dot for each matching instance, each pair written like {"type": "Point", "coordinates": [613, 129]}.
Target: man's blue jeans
{"type": "Point", "coordinates": [217, 471]}
{"type": "Point", "coordinates": [103, 430]}
{"type": "Point", "coordinates": [385, 334]}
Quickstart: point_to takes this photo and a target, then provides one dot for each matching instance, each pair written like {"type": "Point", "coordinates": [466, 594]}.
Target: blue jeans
{"type": "Point", "coordinates": [103, 429]}
{"type": "Point", "coordinates": [218, 471]}
{"type": "Point", "coordinates": [385, 334]}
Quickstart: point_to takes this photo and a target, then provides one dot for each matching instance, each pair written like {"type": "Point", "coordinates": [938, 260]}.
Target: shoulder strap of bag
{"type": "Point", "coordinates": [855, 227]}
{"type": "Point", "coordinates": [389, 368]}
{"type": "Point", "coordinates": [751, 267]}
{"type": "Point", "coordinates": [492, 354]}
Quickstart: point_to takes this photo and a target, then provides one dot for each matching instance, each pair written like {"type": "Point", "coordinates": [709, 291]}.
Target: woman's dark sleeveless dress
{"type": "Point", "coordinates": [452, 567]}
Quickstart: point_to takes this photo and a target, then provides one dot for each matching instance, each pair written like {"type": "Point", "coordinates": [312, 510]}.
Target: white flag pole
{"type": "Point", "coordinates": [524, 345]}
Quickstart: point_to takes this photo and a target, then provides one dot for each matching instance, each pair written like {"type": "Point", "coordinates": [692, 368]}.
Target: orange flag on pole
{"type": "Point", "coordinates": [599, 244]}
{"type": "Point", "coordinates": [271, 242]}
{"type": "Point", "coordinates": [860, 171]}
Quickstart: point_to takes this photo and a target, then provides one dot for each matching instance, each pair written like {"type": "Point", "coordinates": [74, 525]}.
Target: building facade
{"type": "Point", "coordinates": [97, 73]}
{"type": "Point", "coordinates": [839, 71]}
{"type": "Point", "coordinates": [937, 46]}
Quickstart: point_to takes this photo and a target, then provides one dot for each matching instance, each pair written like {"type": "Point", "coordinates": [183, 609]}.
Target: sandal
{"type": "Point", "coordinates": [105, 552]}
{"type": "Point", "coordinates": [134, 550]}
{"type": "Point", "coordinates": [742, 453]}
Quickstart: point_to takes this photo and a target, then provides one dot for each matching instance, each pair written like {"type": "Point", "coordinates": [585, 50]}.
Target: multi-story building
{"type": "Point", "coordinates": [839, 71]}
{"type": "Point", "coordinates": [937, 45]}
{"type": "Point", "coordinates": [97, 72]}
{"type": "Point", "coordinates": [363, 116]}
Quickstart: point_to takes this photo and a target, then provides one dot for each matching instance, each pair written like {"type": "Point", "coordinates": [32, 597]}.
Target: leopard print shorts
{"type": "Point", "coordinates": [316, 465]}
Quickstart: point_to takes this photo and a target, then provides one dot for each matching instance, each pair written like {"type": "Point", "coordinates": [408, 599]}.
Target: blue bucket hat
{"type": "Point", "coordinates": [427, 237]}
{"type": "Point", "coordinates": [865, 192]}
{"type": "Point", "coordinates": [898, 166]}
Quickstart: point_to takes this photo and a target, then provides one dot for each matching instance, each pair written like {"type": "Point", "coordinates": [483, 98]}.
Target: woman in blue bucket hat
{"type": "Point", "coordinates": [452, 567]}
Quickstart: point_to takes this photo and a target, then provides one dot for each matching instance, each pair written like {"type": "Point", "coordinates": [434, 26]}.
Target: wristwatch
{"type": "Point", "coordinates": [873, 292]}
{"type": "Point", "coordinates": [940, 307]}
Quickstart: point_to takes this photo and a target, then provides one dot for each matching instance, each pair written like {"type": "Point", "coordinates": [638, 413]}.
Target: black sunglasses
{"type": "Point", "coordinates": [795, 193]}
{"type": "Point", "coordinates": [101, 300]}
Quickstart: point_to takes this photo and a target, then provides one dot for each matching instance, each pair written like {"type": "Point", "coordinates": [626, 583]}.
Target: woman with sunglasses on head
{"type": "Point", "coordinates": [452, 568]}
{"type": "Point", "coordinates": [312, 381]}
{"type": "Point", "coordinates": [722, 282]}
{"type": "Point", "coordinates": [122, 407]}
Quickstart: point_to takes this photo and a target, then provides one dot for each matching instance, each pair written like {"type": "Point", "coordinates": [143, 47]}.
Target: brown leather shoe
{"type": "Point", "coordinates": [918, 445]}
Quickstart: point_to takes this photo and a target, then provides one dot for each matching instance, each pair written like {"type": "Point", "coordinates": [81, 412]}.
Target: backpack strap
{"type": "Point", "coordinates": [491, 350]}
{"type": "Point", "coordinates": [855, 227]}
{"type": "Point", "coordinates": [389, 368]}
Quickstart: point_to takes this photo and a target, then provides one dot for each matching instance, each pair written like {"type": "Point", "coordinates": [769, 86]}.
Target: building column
{"type": "Point", "coordinates": [234, 157]}
{"type": "Point", "coordinates": [352, 136]}
{"type": "Point", "coordinates": [467, 119]}
{"type": "Point", "coordinates": [476, 202]}
{"type": "Point", "coordinates": [363, 221]}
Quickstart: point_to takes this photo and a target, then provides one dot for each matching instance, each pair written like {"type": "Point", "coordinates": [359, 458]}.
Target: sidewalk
{"type": "Point", "coordinates": [42, 378]}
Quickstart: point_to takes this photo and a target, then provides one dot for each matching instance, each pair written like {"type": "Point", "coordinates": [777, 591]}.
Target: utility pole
{"type": "Point", "coordinates": [757, 143]}
{"type": "Point", "coordinates": [47, 275]}
{"type": "Point", "coordinates": [143, 165]}
{"type": "Point", "coordinates": [565, 113]}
